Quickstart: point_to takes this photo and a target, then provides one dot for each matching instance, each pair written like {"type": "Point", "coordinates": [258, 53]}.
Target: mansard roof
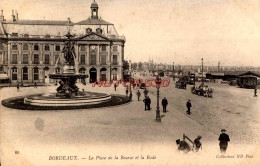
{"type": "Point", "coordinates": [39, 22]}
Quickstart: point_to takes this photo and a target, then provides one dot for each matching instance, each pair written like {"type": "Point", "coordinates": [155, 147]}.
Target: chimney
{"type": "Point", "coordinates": [13, 16]}
{"type": "Point", "coordinates": [69, 21]}
{"type": "Point", "coordinates": [16, 14]}
{"type": "Point", "coordinates": [2, 16]}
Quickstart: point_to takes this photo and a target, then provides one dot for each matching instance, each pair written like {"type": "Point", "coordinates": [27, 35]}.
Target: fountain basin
{"type": "Point", "coordinates": [51, 99]}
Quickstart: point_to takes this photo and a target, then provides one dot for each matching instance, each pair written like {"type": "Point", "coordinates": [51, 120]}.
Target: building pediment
{"type": "Point", "coordinates": [94, 36]}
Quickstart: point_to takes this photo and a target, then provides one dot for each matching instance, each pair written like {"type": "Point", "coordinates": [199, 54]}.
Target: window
{"type": "Point", "coordinates": [25, 73]}
{"type": "Point", "coordinates": [115, 59]}
{"type": "Point", "coordinates": [46, 59]}
{"type": "Point", "coordinates": [82, 48]}
{"type": "Point", "coordinates": [114, 48]}
{"type": "Point", "coordinates": [14, 58]}
{"type": "Point", "coordinates": [47, 48]}
{"type": "Point", "coordinates": [14, 73]}
{"type": "Point", "coordinates": [93, 59]}
{"type": "Point", "coordinates": [2, 47]}
{"type": "Point", "coordinates": [103, 48]}
{"type": "Point", "coordinates": [103, 59]}
{"type": "Point", "coordinates": [57, 47]}
{"type": "Point", "coordinates": [88, 30]}
{"type": "Point", "coordinates": [57, 59]}
{"type": "Point", "coordinates": [36, 47]}
{"type": "Point", "coordinates": [36, 59]}
{"type": "Point", "coordinates": [114, 74]}
{"type": "Point", "coordinates": [99, 31]}
{"type": "Point", "coordinates": [25, 58]}
{"type": "Point", "coordinates": [25, 47]}
{"type": "Point", "coordinates": [35, 73]}
{"type": "Point", "coordinates": [14, 47]}
{"type": "Point", "coordinates": [82, 59]}
{"type": "Point", "coordinates": [14, 34]}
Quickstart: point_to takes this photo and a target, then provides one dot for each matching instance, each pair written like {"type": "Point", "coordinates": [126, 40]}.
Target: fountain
{"type": "Point", "coordinates": [68, 93]}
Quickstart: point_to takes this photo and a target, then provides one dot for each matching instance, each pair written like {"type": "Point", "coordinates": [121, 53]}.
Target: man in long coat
{"type": "Point", "coordinates": [188, 106]}
{"type": "Point", "coordinates": [164, 104]}
{"type": "Point", "coordinates": [223, 141]}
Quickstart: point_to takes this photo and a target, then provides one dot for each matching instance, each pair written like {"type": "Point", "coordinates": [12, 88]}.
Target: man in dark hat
{"type": "Point", "coordinates": [188, 104]}
{"type": "Point", "coordinates": [164, 104]}
{"type": "Point", "coordinates": [223, 141]}
{"type": "Point", "coordinates": [197, 143]}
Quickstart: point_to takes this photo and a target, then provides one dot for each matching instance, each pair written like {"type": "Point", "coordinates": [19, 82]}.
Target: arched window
{"type": "Point", "coordinates": [114, 73]}
{"type": "Point", "coordinates": [35, 73]}
{"type": "Point", "coordinates": [103, 74]}
{"type": "Point", "coordinates": [25, 73]}
{"type": "Point", "coordinates": [88, 30]}
{"type": "Point", "coordinates": [99, 30]}
{"type": "Point", "coordinates": [14, 73]}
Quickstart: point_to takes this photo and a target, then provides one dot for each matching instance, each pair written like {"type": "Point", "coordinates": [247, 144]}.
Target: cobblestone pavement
{"type": "Point", "coordinates": [127, 129]}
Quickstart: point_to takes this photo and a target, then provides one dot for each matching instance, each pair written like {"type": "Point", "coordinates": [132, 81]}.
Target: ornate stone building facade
{"type": "Point", "coordinates": [31, 49]}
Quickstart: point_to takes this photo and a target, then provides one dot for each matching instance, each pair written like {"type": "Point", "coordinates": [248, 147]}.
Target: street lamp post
{"type": "Point", "coordinates": [173, 76]}
{"type": "Point", "coordinates": [202, 69]}
{"type": "Point", "coordinates": [158, 83]}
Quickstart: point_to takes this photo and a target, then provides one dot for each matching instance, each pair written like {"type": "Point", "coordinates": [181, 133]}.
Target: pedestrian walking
{"type": "Point", "coordinates": [115, 86]}
{"type": "Point", "coordinates": [223, 141]}
{"type": "Point", "coordinates": [148, 103]}
{"type": "Point", "coordinates": [255, 92]}
{"type": "Point", "coordinates": [130, 96]}
{"type": "Point", "coordinates": [126, 92]}
{"type": "Point", "coordinates": [35, 85]}
{"type": "Point", "coordinates": [138, 95]}
{"type": "Point", "coordinates": [145, 103]}
{"type": "Point", "coordinates": [188, 106]}
{"type": "Point", "coordinates": [197, 143]}
{"type": "Point", "coordinates": [164, 104]}
{"type": "Point", "coordinates": [145, 92]}
{"type": "Point", "coordinates": [17, 87]}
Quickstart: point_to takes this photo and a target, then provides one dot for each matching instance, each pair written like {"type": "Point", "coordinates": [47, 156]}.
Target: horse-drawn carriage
{"type": "Point", "coordinates": [202, 90]}
{"type": "Point", "coordinates": [180, 84]}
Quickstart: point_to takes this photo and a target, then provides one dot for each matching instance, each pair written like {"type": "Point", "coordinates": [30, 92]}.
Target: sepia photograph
{"type": "Point", "coordinates": [130, 82]}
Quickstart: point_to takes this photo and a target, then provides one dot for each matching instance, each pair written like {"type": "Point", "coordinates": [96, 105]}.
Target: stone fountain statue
{"type": "Point", "coordinates": [69, 76]}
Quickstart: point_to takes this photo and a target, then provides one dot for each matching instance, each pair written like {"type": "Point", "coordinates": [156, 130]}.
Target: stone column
{"type": "Point", "coordinates": [98, 55]}
{"type": "Point", "coordinates": [87, 56]}
{"type": "Point", "coordinates": [41, 53]}
{"type": "Point", "coordinates": [19, 53]}
{"type": "Point", "coordinates": [98, 73]}
{"type": "Point", "coordinates": [19, 74]}
{"type": "Point", "coordinates": [41, 75]}
{"type": "Point", "coordinates": [9, 54]}
{"type": "Point", "coordinates": [30, 55]}
{"type": "Point", "coordinates": [52, 59]}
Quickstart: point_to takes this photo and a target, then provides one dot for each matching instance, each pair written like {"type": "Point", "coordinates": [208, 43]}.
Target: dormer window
{"type": "Point", "coordinates": [99, 31]}
{"type": "Point", "coordinates": [48, 36]}
{"type": "Point", "coordinates": [14, 34]}
{"type": "Point", "coordinates": [26, 35]}
{"type": "Point", "coordinates": [88, 30]}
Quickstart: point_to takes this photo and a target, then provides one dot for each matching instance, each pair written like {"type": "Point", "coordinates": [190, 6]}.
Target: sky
{"type": "Point", "coordinates": [179, 31]}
